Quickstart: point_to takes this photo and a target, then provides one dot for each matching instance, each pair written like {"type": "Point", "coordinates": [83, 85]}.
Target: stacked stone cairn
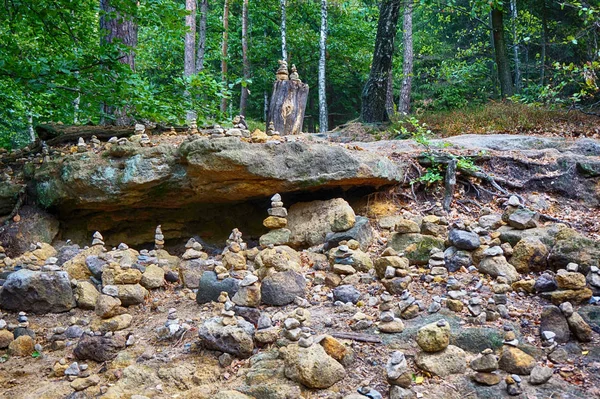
{"type": "Point", "coordinates": [277, 223]}
{"type": "Point", "coordinates": [266, 333]}
{"type": "Point", "coordinates": [408, 307]}
{"type": "Point", "coordinates": [240, 128]}
{"type": "Point", "coordinates": [234, 258]}
{"type": "Point", "coordinates": [95, 142]}
{"type": "Point", "coordinates": [485, 366]}
{"type": "Point", "coordinates": [399, 376]}
{"type": "Point", "coordinates": [593, 279]}
{"type": "Point", "coordinates": [455, 291]}
{"type": "Point", "coordinates": [81, 146]}
{"type": "Point", "coordinates": [194, 263]}
{"type": "Point", "coordinates": [159, 238]}
{"type": "Point", "coordinates": [296, 328]}
{"type": "Point", "coordinates": [388, 322]}
{"type": "Point", "coordinates": [145, 141]}
{"type": "Point", "coordinates": [437, 266]}
{"type": "Point", "coordinates": [571, 286]}
{"type": "Point", "coordinates": [437, 356]}
{"type": "Point", "coordinates": [97, 239]}
{"type": "Point", "coordinates": [393, 270]}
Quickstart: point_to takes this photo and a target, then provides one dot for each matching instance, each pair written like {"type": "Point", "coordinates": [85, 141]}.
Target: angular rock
{"type": "Point", "coordinates": [346, 293]}
{"type": "Point", "coordinates": [282, 288]}
{"type": "Point", "coordinates": [99, 348]}
{"type": "Point", "coordinates": [455, 259]}
{"type": "Point", "coordinates": [233, 339]}
{"type": "Point", "coordinates": [153, 277]}
{"type": "Point", "coordinates": [522, 219]}
{"type": "Point", "coordinates": [530, 254]}
{"type": "Point", "coordinates": [496, 266]}
{"type": "Point", "coordinates": [514, 361]}
{"type": "Point", "coordinates": [22, 346]}
{"type": "Point", "coordinates": [209, 287]}
{"type": "Point", "coordinates": [416, 247]}
{"type": "Point", "coordinates": [312, 366]}
{"type": "Point", "coordinates": [86, 295]}
{"type": "Point", "coordinates": [540, 375]}
{"type": "Point", "coordinates": [552, 319]}
{"type": "Point", "coordinates": [361, 232]}
{"type": "Point", "coordinates": [451, 360]}
{"type": "Point", "coordinates": [579, 327]}
{"type": "Point", "coordinates": [462, 239]}
{"type": "Point", "coordinates": [37, 292]}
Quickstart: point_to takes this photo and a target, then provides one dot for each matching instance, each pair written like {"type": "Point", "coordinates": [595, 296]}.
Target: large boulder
{"type": "Point", "coordinates": [552, 319]}
{"type": "Point", "coordinates": [37, 292]}
{"type": "Point", "coordinates": [99, 348]}
{"type": "Point", "coordinates": [233, 339]}
{"type": "Point", "coordinates": [312, 366]}
{"type": "Point", "coordinates": [514, 361]}
{"type": "Point", "coordinates": [282, 288]}
{"type": "Point", "coordinates": [463, 239]}
{"type": "Point", "coordinates": [434, 337]}
{"type": "Point", "coordinates": [451, 360]}
{"type": "Point", "coordinates": [497, 266]}
{"type": "Point", "coordinates": [209, 287]}
{"type": "Point", "coordinates": [34, 226]}
{"type": "Point", "coordinates": [572, 247]}
{"type": "Point", "coordinates": [310, 222]}
{"type": "Point", "coordinates": [530, 254]}
{"type": "Point", "coordinates": [416, 247]}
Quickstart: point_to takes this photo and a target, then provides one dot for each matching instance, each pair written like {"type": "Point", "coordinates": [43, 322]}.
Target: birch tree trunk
{"type": "Point", "coordinates": [504, 75]}
{"type": "Point", "coordinates": [323, 114]}
{"type": "Point", "coordinates": [224, 45]}
{"type": "Point", "coordinates": [121, 27]}
{"type": "Point", "coordinates": [374, 93]}
{"type": "Point", "coordinates": [245, 62]}
{"type": "Point", "coordinates": [407, 63]}
{"type": "Point", "coordinates": [189, 58]}
{"type": "Point", "coordinates": [544, 43]}
{"type": "Point", "coordinates": [517, 61]}
{"type": "Point", "coordinates": [201, 36]}
{"type": "Point", "coordinates": [389, 95]}
{"type": "Point", "coordinates": [284, 55]}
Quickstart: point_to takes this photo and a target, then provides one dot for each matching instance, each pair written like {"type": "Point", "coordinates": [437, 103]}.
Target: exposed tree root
{"type": "Point", "coordinates": [15, 211]}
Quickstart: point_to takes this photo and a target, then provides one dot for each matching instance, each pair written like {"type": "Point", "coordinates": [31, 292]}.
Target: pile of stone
{"type": "Point", "coordinates": [248, 294]}
{"type": "Point", "coordinates": [271, 130]}
{"type": "Point", "coordinates": [240, 128]}
{"type": "Point", "coordinates": [593, 279]}
{"type": "Point", "coordinates": [81, 146]}
{"type": "Point", "coordinates": [276, 222]}
{"type": "Point", "coordinates": [485, 366]}
{"type": "Point", "coordinates": [194, 262]}
{"type": "Point", "coordinates": [571, 286]}
{"type": "Point", "coordinates": [393, 270]}
{"type": "Point", "coordinates": [266, 333]}
{"type": "Point", "coordinates": [145, 140]}
{"type": "Point", "coordinates": [234, 260]}
{"type": "Point", "coordinates": [519, 217]}
{"type": "Point", "coordinates": [399, 376]}
{"type": "Point", "coordinates": [95, 142]}
{"type": "Point", "coordinates": [437, 265]}
{"type": "Point", "coordinates": [557, 323]}
{"type": "Point", "coordinates": [408, 307]}
{"type": "Point", "coordinates": [455, 291]}
{"type": "Point", "coordinates": [296, 329]}
{"type": "Point", "coordinates": [159, 238]}
{"type": "Point", "coordinates": [122, 281]}
{"type": "Point", "coordinates": [97, 239]}
{"type": "Point", "coordinates": [437, 356]}
{"type": "Point", "coordinates": [389, 323]}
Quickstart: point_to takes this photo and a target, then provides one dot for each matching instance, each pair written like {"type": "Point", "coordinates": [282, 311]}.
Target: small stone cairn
{"type": "Point", "coordinates": [97, 239]}
{"type": "Point", "coordinates": [159, 238]}
{"type": "Point", "coordinates": [276, 222]}
{"type": "Point", "coordinates": [81, 146]}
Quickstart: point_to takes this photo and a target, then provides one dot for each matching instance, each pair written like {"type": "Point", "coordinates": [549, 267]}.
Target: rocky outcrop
{"type": "Point", "coordinates": [38, 292]}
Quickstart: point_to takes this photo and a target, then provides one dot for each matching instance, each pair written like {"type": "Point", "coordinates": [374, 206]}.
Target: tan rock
{"type": "Point", "coordinates": [86, 295]}
{"type": "Point", "coordinates": [115, 275]}
{"type": "Point", "coordinates": [76, 267]}
{"type": "Point", "coordinates": [573, 296]}
{"type": "Point", "coordinates": [455, 305]}
{"type": "Point", "coordinates": [153, 277]}
{"type": "Point", "coordinates": [529, 254]}
{"type": "Point", "coordinates": [570, 280]}
{"type": "Point", "coordinates": [234, 260]}
{"type": "Point", "coordinates": [115, 323]}
{"type": "Point", "coordinates": [6, 337]}
{"type": "Point", "coordinates": [524, 285]}
{"type": "Point", "coordinates": [108, 306]}
{"type": "Point", "coordinates": [79, 384]}
{"type": "Point", "coordinates": [21, 347]}
{"type": "Point", "coordinates": [407, 226]}
{"type": "Point", "coordinates": [514, 361]}
{"type": "Point", "coordinates": [274, 222]}
{"type": "Point", "coordinates": [337, 350]}
{"type": "Point", "coordinates": [434, 337]}
{"type": "Point", "coordinates": [46, 251]}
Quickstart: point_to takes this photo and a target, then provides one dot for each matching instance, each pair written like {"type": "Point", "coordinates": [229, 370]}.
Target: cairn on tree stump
{"type": "Point", "coordinates": [288, 102]}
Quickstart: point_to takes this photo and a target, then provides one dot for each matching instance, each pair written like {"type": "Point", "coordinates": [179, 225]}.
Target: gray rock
{"type": "Point", "coordinates": [455, 258]}
{"type": "Point", "coordinates": [361, 232]}
{"type": "Point", "coordinates": [545, 283]}
{"type": "Point", "coordinates": [282, 288]}
{"type": "Point", "coordinates": [522, 219]}
{"type": "Point", "coordinates": [496, 266]}
{"type": "Point", "coordinates": [233, 339]}
{"type": "Point", "coordinates": [451, 360]}
{"type": "Point", "coordinates": [37, 292]}
{"type": "Point", "coordinates": [552, 319]}
{"type": "Point", "coordinates": [209, 287]}
{"type": "Point", "coordinates": [99, 348]}
{"type": "Point", "coordinates": [462, 239]}
{"type": "Point", "coordinates": [95, 265]}
{"type": "Point", "coordinates": [540, 375]}
{"type": "Point", "coordinates": [346, 293]}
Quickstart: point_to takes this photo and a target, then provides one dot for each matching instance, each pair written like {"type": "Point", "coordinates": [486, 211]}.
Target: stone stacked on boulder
{"type": "Point", "coordinates": [485, 366]}
{"type": "Point", "coordinates": [228, 334]}
{"type": "Point", "coordinates": [266, 333]}
{"type": "Point", "coordinates": [122, 281]}
{"type": "Point", "coordinates": [436, 260]}
{"type": "Point", "coordinates": [593, 279]}
{"type": "Point", "coordinates": [389, 323]}
{"type": "Point", "coordinates": [437, 356]}
{"type": "Point", "coordinates": [248, 294]}
{"type": "Point", "coordinates": [397, 371]}
{"type": "Point", "coordinates": [393, 270]}
{"type": "Point", "coordinates": [571, 286]}
{"type": "Point", "coordinates": [97, 239]}
{"type": "Point", "coordinates": [145, 140]}
{"type": "Point", "coordinates": [81, 146]}
{"type": "Point", "coordinates": [194, 263]}
{"type": "Point", "coordinates": [579, 327]}
{"type": "Point", "coordinates": [277, 223]}
{"type": "Point", "coordinates": [408, 307]}
{"type": "Point", "coordinates": [159, 238]}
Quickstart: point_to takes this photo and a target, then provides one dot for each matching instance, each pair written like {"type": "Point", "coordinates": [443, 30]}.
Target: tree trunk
{"type": "Point", "coordinates": [517, 61]}
{"type": "Point", "coordinates": [224, 45]}
{"type": "Point", "coordinates": [288, 105]}
{"type": "Point", "coordinates": [407, 63]}
{"type": "Point", "coordinates": [389, 95]}
{"type": "Point", "coordinates": [190, 53]}
{"type": "Point", "coordinates": [375, 90]}
{"type": "Point", "coordinates": [504, 75]}
{"type": "Point", "coordinates": [245, 62]}
{"type": "Point", "coordinates": [284, 55]}
{"type": "Point", "coordinates": [120, 26]}
{"type": "Point", "coordinates": [544, 43]}
{"type": "Point", "coordinates": [323, 114]}
{"type": "Point", "coordinates": [201, 36]}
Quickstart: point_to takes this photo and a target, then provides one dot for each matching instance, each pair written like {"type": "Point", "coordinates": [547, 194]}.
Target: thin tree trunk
{"type": "Point", "coordinates": [389, 94]}
{"type": "Point", "coordinates": [284, 54]}
{"type": "Point", "coordinates": [323, 114]}
{"type": "Point", "coordinates": [375, 90]}
{"type": "Point", "coordinates": [245, 62]}
{"type": "Point", "coordinates": [120, 26]}
{"type": "Point", "coordinates": [504, 75]}
{"type": "Point", "coordinates": [517, 61]}
{"type": "Point", "coordinates": [224, 45]}
{"type": "Point", "coordinates": [266, 105]}
{"type": "Point", "coordinates": [190, 53]}
{"type": "Point", "coordinates": [202, 36]}
{"type": "Point", "coordinates": [407, 64]}
{"type": "Point", "coordinates": [30, 128]}
{"type": "Point", "coordinates": [544, 43]}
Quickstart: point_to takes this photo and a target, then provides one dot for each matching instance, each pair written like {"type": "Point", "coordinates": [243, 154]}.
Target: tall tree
{"type": "Point", "coordinates": [283, 6]}
{"type": "Point", "coordinates": [202, 36]}
{"type": "Point", "coordinates": [501, 53]}
{"type": "Point", "coordinates": [119, 26]}
{"type": "Point", "coordinates": [245, 61]}
{"type": "Point", "coordinates": [189, 56]}
{"type": "Point", "coordinates": [544, 42]}
{"type": "Point", "coordinates": [516, 60]}
{"type": "Point", "coordinates": [323, 114]}
{"type": "Point", "coordinates": [224, 45]}
{"type": "Point", "coordinates": [374, 93]}
{"type": "Point", "coordinates": [407, 62]}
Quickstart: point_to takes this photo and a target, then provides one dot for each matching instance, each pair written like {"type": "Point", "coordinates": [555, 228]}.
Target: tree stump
{"type": "Point", "coordinates": [288, 104]}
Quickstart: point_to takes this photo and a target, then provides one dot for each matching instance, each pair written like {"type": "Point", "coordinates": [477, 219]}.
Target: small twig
{"type": "Point", "coordinates": [357, 337]}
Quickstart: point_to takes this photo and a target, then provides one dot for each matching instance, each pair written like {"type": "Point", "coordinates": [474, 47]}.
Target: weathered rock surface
{"type": "Point", "coordinates": [416, 247]}
{"type": "Point", "coordinates": [451, 360]}
{"type": "Point", "coordinates": [312, 366]}
{"type": "Point", "coordinates": [281, 288]}
{"type": "Point", "coordinates": [233, 339]}
{"type": "Point", "coordinates": [38, 292]}
{"type": "Point", "coordinates": [99, 348]}
{"type": "Point", "coordinates": [210, 287]}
